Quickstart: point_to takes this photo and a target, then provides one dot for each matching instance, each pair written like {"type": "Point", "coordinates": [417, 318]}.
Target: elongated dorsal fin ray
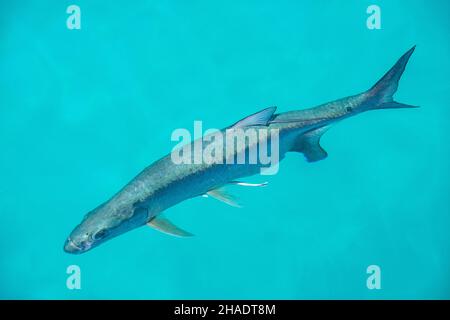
{"type": "Point", "coordinates": [163, 224]}
{"type": "Point", "coordinates": [309, 144]}
{"type": "Point", "coordinates": [305, 121]}
{"type": "Point", "coordinates": [248, 184]}
{"type": "Point", "coordinates": [260, 118]}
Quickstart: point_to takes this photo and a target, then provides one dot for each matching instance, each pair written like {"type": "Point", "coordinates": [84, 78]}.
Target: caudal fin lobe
{"type": "Point", "coordinates": [383, 91]}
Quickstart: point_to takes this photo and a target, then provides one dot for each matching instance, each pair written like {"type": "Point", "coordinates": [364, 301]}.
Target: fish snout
{"type": "Point", "coordinates": [71, 247]}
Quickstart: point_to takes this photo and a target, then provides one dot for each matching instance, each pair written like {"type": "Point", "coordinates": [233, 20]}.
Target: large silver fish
{"type": "Point", "coordinates": [165, 183]}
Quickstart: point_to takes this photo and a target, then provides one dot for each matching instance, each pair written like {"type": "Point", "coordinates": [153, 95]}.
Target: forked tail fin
{"type": "Point", "coordinates": [383, 91]}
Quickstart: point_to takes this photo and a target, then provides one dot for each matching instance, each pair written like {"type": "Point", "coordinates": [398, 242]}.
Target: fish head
{"type": "Point", "coordinates": [102, 224]}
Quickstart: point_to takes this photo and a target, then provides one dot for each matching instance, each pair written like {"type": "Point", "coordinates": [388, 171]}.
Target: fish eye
{"type": "Point", "coordinates": [101, 234]}
{"type": "Point", "coordinates": [349, 109]}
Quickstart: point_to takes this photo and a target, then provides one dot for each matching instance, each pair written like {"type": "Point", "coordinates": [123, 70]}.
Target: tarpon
{"type": "Point", "coordinates": [164, 183]}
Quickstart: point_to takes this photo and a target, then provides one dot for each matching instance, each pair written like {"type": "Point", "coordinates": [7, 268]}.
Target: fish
{"type": "Point", "coordinates": [164, 183]}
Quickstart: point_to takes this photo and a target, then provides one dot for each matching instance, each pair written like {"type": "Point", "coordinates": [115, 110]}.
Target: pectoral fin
{"type": "Point", "coordinates": [309, 144]}
{"type": "Point", "coordinates": [164, 225]}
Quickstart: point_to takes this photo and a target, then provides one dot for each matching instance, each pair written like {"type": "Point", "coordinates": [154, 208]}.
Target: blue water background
{"type": "Point", "coordinates": [83, 111]}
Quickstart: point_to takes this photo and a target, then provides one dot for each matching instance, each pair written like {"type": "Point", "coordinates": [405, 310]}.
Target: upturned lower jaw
{"type": "Point", "coordinates": [71, 247]}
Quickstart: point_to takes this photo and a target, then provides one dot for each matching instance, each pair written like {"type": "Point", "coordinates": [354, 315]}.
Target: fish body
{"type": "Point", "coordinates": [165, 183]}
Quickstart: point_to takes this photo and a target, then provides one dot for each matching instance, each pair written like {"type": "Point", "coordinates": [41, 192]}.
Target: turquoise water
{"type": "Point", "coordinates": [83, 111]}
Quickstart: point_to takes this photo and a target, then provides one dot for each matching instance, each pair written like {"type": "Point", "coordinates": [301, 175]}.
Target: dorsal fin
{"type": "Point", "coordinates": [223, 195]}
{"type": "Point", "coordinates": [309, 144]}
{"type": "Point", "coordinates": [260, 118]}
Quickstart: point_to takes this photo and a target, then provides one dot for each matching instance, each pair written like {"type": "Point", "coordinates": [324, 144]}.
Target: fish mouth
{"type": "Point", "coordinates": [71, 247]}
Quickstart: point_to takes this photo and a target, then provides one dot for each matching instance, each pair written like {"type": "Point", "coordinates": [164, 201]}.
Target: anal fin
{"type": "Point", "coordinates": [309, 144]}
